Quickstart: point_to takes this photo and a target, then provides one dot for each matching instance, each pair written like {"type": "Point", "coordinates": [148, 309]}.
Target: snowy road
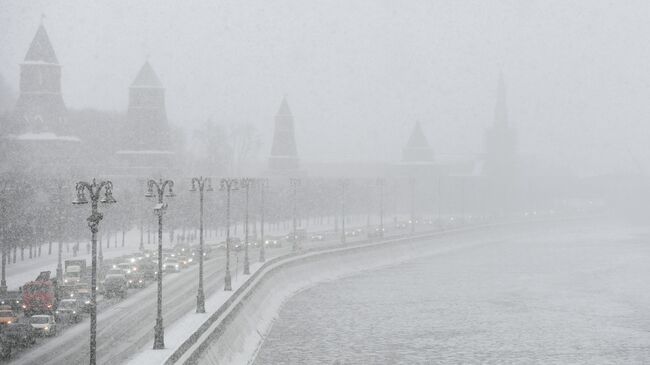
{"type": "Point", "coordinates": [127, 325]}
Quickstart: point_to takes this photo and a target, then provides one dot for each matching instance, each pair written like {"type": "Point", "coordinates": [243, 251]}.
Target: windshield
{"type": "Point", "coordinates": [40, 320]}
{"type": "Point", "coordinates": [6, 314]}
{"type": "Point", "coordinates": [67, 304]}
{"type": "Point", "coordinates": [115, 272]}
{"type": "Point", "coordinates": [73, 274]}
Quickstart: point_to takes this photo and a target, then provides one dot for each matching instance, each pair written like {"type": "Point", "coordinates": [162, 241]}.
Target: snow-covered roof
{"type": "Point", "coordinates": [147, 77]}
{"type": "Point", "coordinates": [41, 49]}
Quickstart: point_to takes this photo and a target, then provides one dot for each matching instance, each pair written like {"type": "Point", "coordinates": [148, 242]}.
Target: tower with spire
{"type": "Point", "coordinates": [500, 154]}
{"type": "Point", "coordinates": [417, 149]}
{"type": "Point", "coordinates": [147, 144]}
{"type": "Point", "coordinates": [284, 154]}
{"type": "Point", "coordinates": [146, 114]}
{"type": "Point", "coordinates": [36, 138]}
{"type": "Point", "coordinates": [500, 140]}
{"type": "Point", "coordinates": [40, 107]}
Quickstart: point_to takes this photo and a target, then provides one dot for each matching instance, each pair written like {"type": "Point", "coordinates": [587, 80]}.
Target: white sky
{"type": "Point", "coordinates": [359, 73]}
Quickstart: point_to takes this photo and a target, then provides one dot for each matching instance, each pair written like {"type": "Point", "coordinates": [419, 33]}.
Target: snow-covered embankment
{"type": "Point", "coordinates": [235, 332]}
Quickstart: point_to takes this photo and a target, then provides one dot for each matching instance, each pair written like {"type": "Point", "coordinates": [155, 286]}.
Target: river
{"type": "Point", "coordinates": [568, 296]}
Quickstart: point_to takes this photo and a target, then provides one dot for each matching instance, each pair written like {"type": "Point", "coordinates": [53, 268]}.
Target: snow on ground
{"type": "Point", "coordinates": [24, 271]}
{"type": "Point", "coordinates": [181, 329]}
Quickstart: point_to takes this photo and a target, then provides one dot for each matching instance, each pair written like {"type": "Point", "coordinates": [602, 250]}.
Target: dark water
{"type": "Point", "coordinates": [579, 297]}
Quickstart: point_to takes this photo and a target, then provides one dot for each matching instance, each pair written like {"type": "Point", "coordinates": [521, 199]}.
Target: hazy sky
{"type": "Point", "coordinates": [359, 73]}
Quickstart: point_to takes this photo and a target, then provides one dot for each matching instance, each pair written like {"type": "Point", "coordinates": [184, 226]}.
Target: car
{"type": "Point", "coordinates": [317, 237]}
{"type": "Point", "coordinates": [148, 269]}
{"type": "Point", "coordinates": [171, 265]}
{"type": "Point", "coordinates": [136, 279]}
{"type": "Point", "coordinates": [272, 243]}
{"type": "Point", "coordinates": [68, 310]}
{"type": "Point", "coordinates": [7, 315]}
{"type": "Point", "coordinates": [401, 225]}
{"type": "Point", "coordinates": [20, 334]}
{"type": "Point", "coordinates": [115, 271]}
{"type": "Point", "coordinates": [115, 285]}
{"type": "Point", "coordinates": [83, 300]}
{"type": "Point", "coordinates": [43, 324]}
{"type": "Point", "coordinates": [377, 232]}
{"type": "Point", "coordinates": [183, 261]}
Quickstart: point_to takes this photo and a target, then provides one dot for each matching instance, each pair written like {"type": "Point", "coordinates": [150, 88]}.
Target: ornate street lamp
{"type": "Point", "coordinates": [160, 187]}
{"type": "Point", "coordinates": [201, 183]}
{"type": "Point", "coordinates": [412, 183]}
{"type": "Point", "coordinates": [246, 183]}
{"type": "Point", "coordinates": [381, 182]}
{"type": "Point", "coordinates": [344, 184]}
{"type": "Point", "coordinates": [228, 184]}
{"type": "Point", "coordinates": [263, 183]}
{"type": "Point", "coordinates": [99, 192]}
{"type": "Point", "coordinates": [294, 182]}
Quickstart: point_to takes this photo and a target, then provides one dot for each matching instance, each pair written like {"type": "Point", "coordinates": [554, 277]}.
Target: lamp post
{"type": "Point", "coordinates": [381, 182]}
{"type": "Point", "coordinates": [95, 191]}
{"type": "Point", "coordinates": [200, 182]}
{"type": "Point", "coordinates": [160, 187]}
{"type": "Point", "coordinates": [263, 183]}
{"type": "Point", "coordinates": [344, 184]}
{"type": "Point", "coordinates": [228, 184]}
{"type": "Point", "coordinates": [247, 183]}
{"type": "Point", "coordinates": [412, 183]}
{"type": "Point", "coordinates": [294, 182]}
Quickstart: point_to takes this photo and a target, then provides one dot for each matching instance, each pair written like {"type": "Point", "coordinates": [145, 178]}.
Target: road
{"type": "Point", "coordinates": [127, 325]}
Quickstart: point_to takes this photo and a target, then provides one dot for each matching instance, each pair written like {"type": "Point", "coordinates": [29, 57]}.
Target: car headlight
{"type": "Point", "coordinates": [49, 305]}
{"type": "Point", "coordinates": [46, 328]}
{"type": "Point", "coordinates": [87, 302]}
{"type": "Point", "coordinates": [74, 312]}
{"type": "Point", "coordinates": [65, 281]}
{"type": "Point", "coordinates": [177, 266]}
{"type": "Point", "coordinates": [24, 306]}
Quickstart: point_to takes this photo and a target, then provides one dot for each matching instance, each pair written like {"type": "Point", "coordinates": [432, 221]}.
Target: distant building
{"type": "Point", "coordinates": [499, 168]}
{"type": "Point", "coordinates": [284, 154]}
{"type": "Point", "coordinates": [37, 137]}
{"type": "Point", "coordinates": [147, 148]}
{"type": "Point", "coordinates": [417, 149]}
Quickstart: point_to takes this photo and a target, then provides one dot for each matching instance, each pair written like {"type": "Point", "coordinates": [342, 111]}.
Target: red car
{"type": "Point", "coordinates": [38, 298]}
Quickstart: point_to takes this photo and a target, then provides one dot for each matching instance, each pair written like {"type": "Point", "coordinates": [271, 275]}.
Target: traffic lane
{"type": "Point", "coordinates": [127, 326]}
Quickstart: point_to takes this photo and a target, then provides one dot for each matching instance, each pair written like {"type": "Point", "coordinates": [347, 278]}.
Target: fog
{"type": "Point", "coordinates": [359, 74]}
{"type": "Point", "coordinates": [324, 182]}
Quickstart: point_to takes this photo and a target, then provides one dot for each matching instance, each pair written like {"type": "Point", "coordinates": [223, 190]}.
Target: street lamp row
{"type": "Point", "coordinates": [102, 192]}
